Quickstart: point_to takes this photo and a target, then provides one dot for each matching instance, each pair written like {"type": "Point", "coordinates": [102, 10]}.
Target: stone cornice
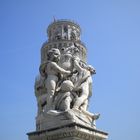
{"type": "Point", "coordinates": [70, 130]}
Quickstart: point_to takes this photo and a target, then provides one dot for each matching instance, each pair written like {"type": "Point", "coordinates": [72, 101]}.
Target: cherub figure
{"type": "Point", "coordinates": [64, 97]}
{"type": "Point", "coordinates": [83, 84]}
{"type": "Point", "coordinates": [51, 70]}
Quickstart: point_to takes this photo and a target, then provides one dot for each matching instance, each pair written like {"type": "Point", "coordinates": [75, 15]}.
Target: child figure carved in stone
{"type": "Point", "coordinates": [51, 70]}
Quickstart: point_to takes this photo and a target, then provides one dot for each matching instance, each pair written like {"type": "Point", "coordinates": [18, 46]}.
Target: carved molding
{"type": "Point", "coordinates": [74, 131]}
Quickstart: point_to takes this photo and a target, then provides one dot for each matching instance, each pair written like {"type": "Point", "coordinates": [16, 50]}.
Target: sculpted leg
{"type": "Point", "coordinates": [82, 99]}
{"type": "Point", "coordinates": [65, 105]}
{"type": "Point", "coordinates": [50, 94]}
{"type": "Point", "coordinates": [79, 101]}
{"type": "Point", "coordinates": [84, 106]}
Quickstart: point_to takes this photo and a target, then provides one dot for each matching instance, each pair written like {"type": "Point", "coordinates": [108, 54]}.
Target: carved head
{"type": "Point", "coordinates": [67, 86]}
{"type": "Point", "coordinates": [91, 69]}
{"type": "Point", "coordinates": [54, 55]}
{"type": "Point", "coordinates": [76, 50]}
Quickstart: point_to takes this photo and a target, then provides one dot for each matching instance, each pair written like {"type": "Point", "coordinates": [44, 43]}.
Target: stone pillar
{"type": "Point", "coordinates": [63, 87]}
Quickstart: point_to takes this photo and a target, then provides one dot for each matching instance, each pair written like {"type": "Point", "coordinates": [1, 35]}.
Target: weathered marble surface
{"type": "Point", "coordinates": [63, 88]}
{"type": "Point", "coordinates": [71, 131]}
{"type": "Point", "coordinates": [64, 85]}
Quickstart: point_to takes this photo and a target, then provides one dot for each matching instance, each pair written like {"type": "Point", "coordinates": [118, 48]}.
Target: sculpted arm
{"type": "Point", "coordinates": [58, 68]}
{"type": "Point", "coordinates": [77, 66]}
{"type": "Point", "coordinates": [84, 79]}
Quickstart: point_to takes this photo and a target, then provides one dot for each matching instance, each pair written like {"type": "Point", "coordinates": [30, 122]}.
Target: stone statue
{"type": "Point", "coordinates": [83, 83]}
{"type": "Point", "coordinates": [52, 71]}
{"type": "Point", "coordinates": [64, 85]}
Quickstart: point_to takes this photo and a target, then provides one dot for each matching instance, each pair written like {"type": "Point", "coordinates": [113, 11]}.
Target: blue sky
{"type": "Point", "coordinates": [111, 32]}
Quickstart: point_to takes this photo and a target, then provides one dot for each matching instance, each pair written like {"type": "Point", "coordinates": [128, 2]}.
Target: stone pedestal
{"type": "Point", "coordinates": [71, 131]}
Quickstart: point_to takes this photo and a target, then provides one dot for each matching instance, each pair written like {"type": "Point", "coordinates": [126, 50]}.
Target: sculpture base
{"type": "Point", "coordinates": [72, 131]}
{"type": "Point", "coordinates": [53, 119]}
